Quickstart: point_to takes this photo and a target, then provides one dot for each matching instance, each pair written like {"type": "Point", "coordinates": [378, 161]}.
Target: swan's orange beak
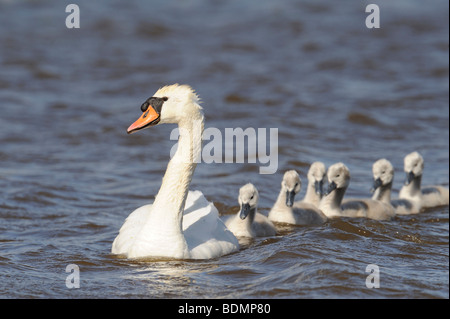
{"type": "Point", "coordinates": [149, 117]}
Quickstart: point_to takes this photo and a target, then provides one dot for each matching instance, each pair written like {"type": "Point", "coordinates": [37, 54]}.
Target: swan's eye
{"type": "Point", "coordinates": [155, 102]}
{"type": "Point", "coordinates": [252, 197]}
{"type": "Point", "coordinates": [296, 184]}
{"type": "Point", "coordinates": [338, 175]}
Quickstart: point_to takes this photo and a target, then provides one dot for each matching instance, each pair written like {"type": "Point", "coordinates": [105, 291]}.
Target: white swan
{"type": "Point", "coordinates": [317, 175]}
{"type": "Point", "coordinates": [180, 224]}
{"type": "Point", "coordinates": [333, 205]}
{"type": "Point", "coordinates": [383, 178]}
{"type": "Point", "coordinates": [248, 222]}
{"type": "Point", "coordinates": [430, 196]}
{"type": "Point", "coordinates": [285, 211]}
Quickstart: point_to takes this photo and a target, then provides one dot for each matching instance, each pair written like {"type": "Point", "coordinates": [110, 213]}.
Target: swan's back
{"type": "Point", "coordinates": [405, 206]}
{"type": "Point", "coordinates": [205, 233]}
{"type": "Point", "coordinates": [260, 227]}
{"type": "Point", "coordinates": [307, 214]}
{"type": "Point", "coordinates": [367, 208]}
{"type": "Point", "coordinates": [433, 196]}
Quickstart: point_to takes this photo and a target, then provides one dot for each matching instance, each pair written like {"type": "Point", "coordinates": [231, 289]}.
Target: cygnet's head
{"type": "Point", "coordinates": [170, 104]}
{"type": "Point", "coordinates": [383, 173]}
{"type": "Point", "coordinates": [317, 175]}
{"type": "Point", "coordinates": [338, 177]}
{"type": "Point", "coordinates": [291, 184]}
{"type": "Point", "coordinates": [248, 199]}
{"type": "Point", "coordinates": [413, 165]}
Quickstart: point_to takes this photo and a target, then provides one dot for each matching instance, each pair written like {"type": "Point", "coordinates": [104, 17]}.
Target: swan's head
{"type": "Point", "coordinates": [338, 177]}
{"type": "Point", "coordinates": [170, 104]}
{"type": "Point", "coordinates": [413, 166]}
{"type": "Point", "coordinates": [317, 175]}
{"type": "Point", "coordinates": [291, 184]}
{"type": "Point", "coordinates": [383, 173]}
{"type": "Point", "coordinates": [248, 199]}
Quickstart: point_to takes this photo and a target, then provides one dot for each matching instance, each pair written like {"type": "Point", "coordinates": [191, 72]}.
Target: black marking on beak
{"type": "Point", "coordinates": [376, 183]}
{"type": "Point", "coordinates": [155, 102]}
{"type": "Point", "coordinates": [331, 187]}
{"type": "Point", "coordinates": [409, 178]}
{"type": "Point", "coordinates": [245, 210]}
{"type": "Point", "coordinates": [318, 186]}
{"type": "Point", "coordinates": [290, 195]}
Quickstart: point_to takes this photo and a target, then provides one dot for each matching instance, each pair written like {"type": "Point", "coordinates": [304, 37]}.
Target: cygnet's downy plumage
{"type": "Point", "coordinates": [383, 178]}
{"type": "Point", "coordinates": [338, 180]}
{"type": "Point", "coordinates": [248, 222]}
{"type": "Point", "coordinates": [333, 205]}
{"type": "Point", "coordinates": [429, 196]}
{"type": "Point", "coordinates": [286, 211]}
{"type": "Point", "coordinates": [317, 175]}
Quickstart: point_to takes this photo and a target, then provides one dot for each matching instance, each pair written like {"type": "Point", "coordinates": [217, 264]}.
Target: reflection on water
{"type": "Point", "coordinates": [335, 90]}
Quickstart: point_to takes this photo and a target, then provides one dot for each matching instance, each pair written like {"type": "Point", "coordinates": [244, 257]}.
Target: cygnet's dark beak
{"type": "Point", "coordinates": [331, 187]}
{"type": "Point", "coordinates": [376, 183]}
{"type": "Point", "coordinates": [409, 178]}
{"type": "Point", "coordinates": [245, 210]}
{"type": "Point", "coordinates": [290, 195]}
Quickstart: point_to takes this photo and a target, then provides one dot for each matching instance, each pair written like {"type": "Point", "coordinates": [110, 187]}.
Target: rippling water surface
{"type": "Point", "coordinates": [336, 91]}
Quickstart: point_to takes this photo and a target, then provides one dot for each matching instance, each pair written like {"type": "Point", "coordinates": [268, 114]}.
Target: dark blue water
{"type": "Point", "coordinates": [334, 89]}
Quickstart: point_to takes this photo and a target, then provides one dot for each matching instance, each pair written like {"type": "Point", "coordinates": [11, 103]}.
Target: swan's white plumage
{"type": "Point", "coordinates": [179, 224]}
{"type": "Point", "coordinates": [205, 233]}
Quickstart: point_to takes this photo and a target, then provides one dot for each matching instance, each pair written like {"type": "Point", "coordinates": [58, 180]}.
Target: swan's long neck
{"type": "Point", "coordinates": [251, 216]}
{"type": "Point", "coordinates": [311, 196]}
{"type": "Point", "coordinates": [280, 203]}
{"type": "Point", "coordinates": [164, 222]}
{"type": "Point", "coordinates": [412, 190]}
{"type": "Point", "coordinates": [383, 193]}
{"type": "Point", "coordinates": [181, 167]}
{"type": "Point", "coordinates": [331, 203]}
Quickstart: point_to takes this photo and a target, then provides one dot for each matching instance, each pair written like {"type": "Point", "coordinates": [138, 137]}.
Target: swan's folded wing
{"type": "Point", "coordinates": [205, 233]}
{"type": "Point", "coordinates": [263, 226]}
{"type": "Point", "coordinates": [197, 207]}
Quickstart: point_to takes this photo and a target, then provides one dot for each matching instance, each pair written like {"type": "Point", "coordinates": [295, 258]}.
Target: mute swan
{"type": "Point", "coordinates": [285, 211]}
{"type": "Point", "coordinates": [317, 174]}
{"type": "Point", "coordinates": [180, 224]}
{"type": "Point", "coordinates": [333, 205]}
{"type": "Point", "coordinates": [383, 177]}
{"type": "Point", "coordinates": [430, 196]}
{"type": "Point", "coordinates": [248, 222]}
